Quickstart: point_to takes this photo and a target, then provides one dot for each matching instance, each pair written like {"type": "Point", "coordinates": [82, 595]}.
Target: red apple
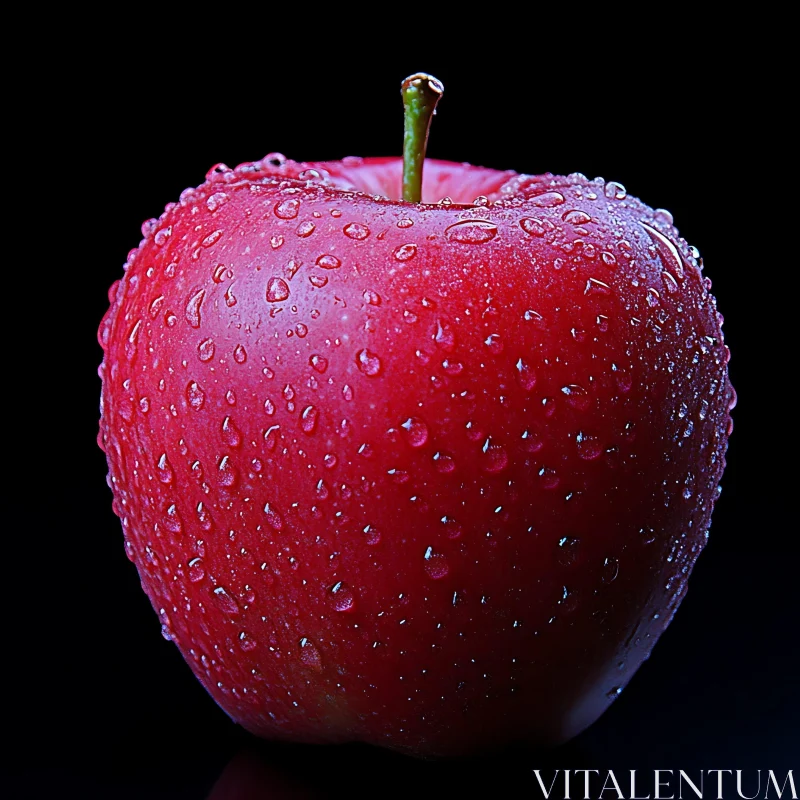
{"type": "Point", "coordinates": [428, 475]}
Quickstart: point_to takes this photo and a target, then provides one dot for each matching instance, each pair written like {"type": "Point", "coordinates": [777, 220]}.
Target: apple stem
{"type": "Point", "coordinates": [421, 93]}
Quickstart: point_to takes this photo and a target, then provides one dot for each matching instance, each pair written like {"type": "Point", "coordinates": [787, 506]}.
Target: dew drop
{"type": "Point", "coordinates": [308, 419]}
{"type": "Point", "coordinates": [341, 597]}
{"type": "Point", "coordinates": [273, 517]}
{"type": "Point", "coordinates": [589, 448]}
{"type": "Point", "coordinates": [471, 231]}
{"type": "Point", "coordinates": [615, 191]}
{"type": "Point", "coordinates": [192, 310]}
{"type": "Point", "coordinates": [532, 441]}
{"type": "Point", "coordinates": [277, 290]}
{"type": "Point", "coordinates": [196, 570]}
{"type": "Point", "coordinates": [216, 200]}
{"type": "Point", "coordinates": [494, 343]}
{"type": "Point", "coordinates": [309, 655]}
{"type": "Point", "coordinates": [227, 474]}
{"type": "Point", "coordinates": [371, 298]}
{"type": "Point", "coordinates": [526, 375]}
{"type": "Point", "coordinates": [405, 252]}
{"type": "Point", "coordinates": [368, 363]}
{"type": "Point", "coordinates": [226, 602]}
{"type": "Point", "coordinates": [548, 477]}
{"type": "Point", "coordinates": [416, 431]}
{"type": "Point", "coordinates": [328, 262]}
{"type": "Point", "coordinates": [372, 535]}
{"type": "Point", "coordinates": [165, 472]}
{"type": "Point", "coordinates": [567, 553]}
{"type": "Point", "coordinates": [453, 528]}
{"type": "Point", "coordinates": [205, 350]}
{"type": "Point", "coordinates": [231, 435]}
{"type": "Point", "coordinates": [195, 395]}
{"type": "Point", "coordinates": [532, 226]}
{"type": "Point", "coordinates": [443, 462]}
{"type": "Point", "coordinates": [436, 565]}
{"type": "Point", "coordinates": [576, 396]}
{"type": "Point", "coordinates": [305, 229]}
{"type": "Point", "coordinates": [239, 354]}
{"type": "Point", "coordinates": [357, 231]}
{"type": "Point", "coordinates": [495, 457]}
{"type": "Point", "coordinates": [576, 217]}
{"type": "Point", "coordinates": [547, 199]}
{"type": "Point", "coordinates": [287, 209]}
{"type": "Point", "coordinates": [317, 281]}
{"type": "Point", "coordinates": [444, 336]}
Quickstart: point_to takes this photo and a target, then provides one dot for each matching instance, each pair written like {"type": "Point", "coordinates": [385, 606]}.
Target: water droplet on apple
{"type": "Point", "coordinates": [205, 350]}
{"type": "Point", "coordinates": [533, 226]}
{"type": "Point", "coordinates": [196, 570]}
{"type": "Point", "coordinates": [495, 457]}
{"type": "Point", "coordinates": [347, 392]}
{"type": "Point", "coordinates": [357, 231]}
{"type": "Point", "coordinates": [471, 231]}
{"type": "Point", "coordinates": [275, 159]}
{"type": "Point", "coordinates": [287, 209]}
{"type": "Point", "coordinates": [668, 252]}
{"type": "Point", "coordinates": [548, 478]}
{"type": "Point", "coordinates": [328, 261]}
{"type": "Point", "coordinates": [309, 655]}
{"type": "Point", "coordinates": [416, 431]}
{"type": "Point", "coordinates": [371, 298]}
{"type": "Point", "coordinates": [192, 310]}
{"type": "Point", "coordinates": [273, 517]}
{"type": "Point", "coordinates": [318, 281]}
{"type": "Point", "coordinates": [319, 363]}
{"type": "Point", "coordinates": [532, 441]}
{"type": "Point", "coordinates": [330, 460]}
{"type": "Point", "coordinates": [547, 199]}
{"type": "Point", "coordinates": [443, 462]}
{"type": "Point", "coordinates": [576, 396]}
{"type": "Point", "coordinates": [231, 435]}
{"type": "Point", "coordinates": [305, 229]}
{"type": "Point", "coordinates": [195, 396]}
{"type": "Point", "coordinates": [165, 472]}
{"type": "Point", "coordinates": [526, 375]}
{"type": "Point", "coordinates": [341, 597]}
{"type": "Point", "coordinates": [453, 528]}
{"type": "Point", "coordinates": [589, 448]}
{"type": "Point", "coordinates": [610, 569]}
{"type": "Point", "coordinates": [172, 520]}
{"type": "Point", "coordinates": [567, 553]}
{"type": "Point", "coordinates": [436, 565]}
{"type": "Point", "coordinates": [239, 354]}
{"type": "Point", "coordinates": [405, 252]}
{"type": "Point", "coordinates": [277, 290]}
{"type": "Point", "coordinates": [372, 535]}
{"type": "Point", "coordinates": [444, 336]}
{"type": "Point", "coordinates": [226, 602]}
{"type": "Point", "coordinates": [494, 343]}
{"type": "Point", "coordinates": [576, 217]}
{"type": "Point", "coordinates": [368, 363]}
{"type": "Point", "coordinates": [615, 191]}
{"type": "Point", "coordinates": [308, 419]}
{"type": "Point", "coordinates": [246, 642]}
{"type": "Point", "coordinates": [216, 200]}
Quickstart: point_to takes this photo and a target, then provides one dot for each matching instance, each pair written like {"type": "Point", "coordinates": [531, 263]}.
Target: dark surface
{"type": "Point", "coordinates": [102, 705]}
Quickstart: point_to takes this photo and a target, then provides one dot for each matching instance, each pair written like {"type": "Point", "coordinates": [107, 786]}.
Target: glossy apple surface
{"type": "Point", "coordinates": [431, 476]}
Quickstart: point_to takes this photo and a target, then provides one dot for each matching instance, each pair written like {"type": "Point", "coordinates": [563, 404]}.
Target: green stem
{"type": "Point", "coordinates": [421, 93]}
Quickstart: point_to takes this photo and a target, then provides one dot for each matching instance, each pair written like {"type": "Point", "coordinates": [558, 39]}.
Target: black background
{"type": "Point", "coordinates": [103, 706]}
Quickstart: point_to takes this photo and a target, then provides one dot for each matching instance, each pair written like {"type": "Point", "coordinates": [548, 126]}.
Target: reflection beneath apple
{"type": "Point", "coordinates": [278, 770]}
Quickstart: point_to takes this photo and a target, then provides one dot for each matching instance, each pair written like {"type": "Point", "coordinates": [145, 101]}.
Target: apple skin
{"type": "Point", "coordinates": [428, 476]}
